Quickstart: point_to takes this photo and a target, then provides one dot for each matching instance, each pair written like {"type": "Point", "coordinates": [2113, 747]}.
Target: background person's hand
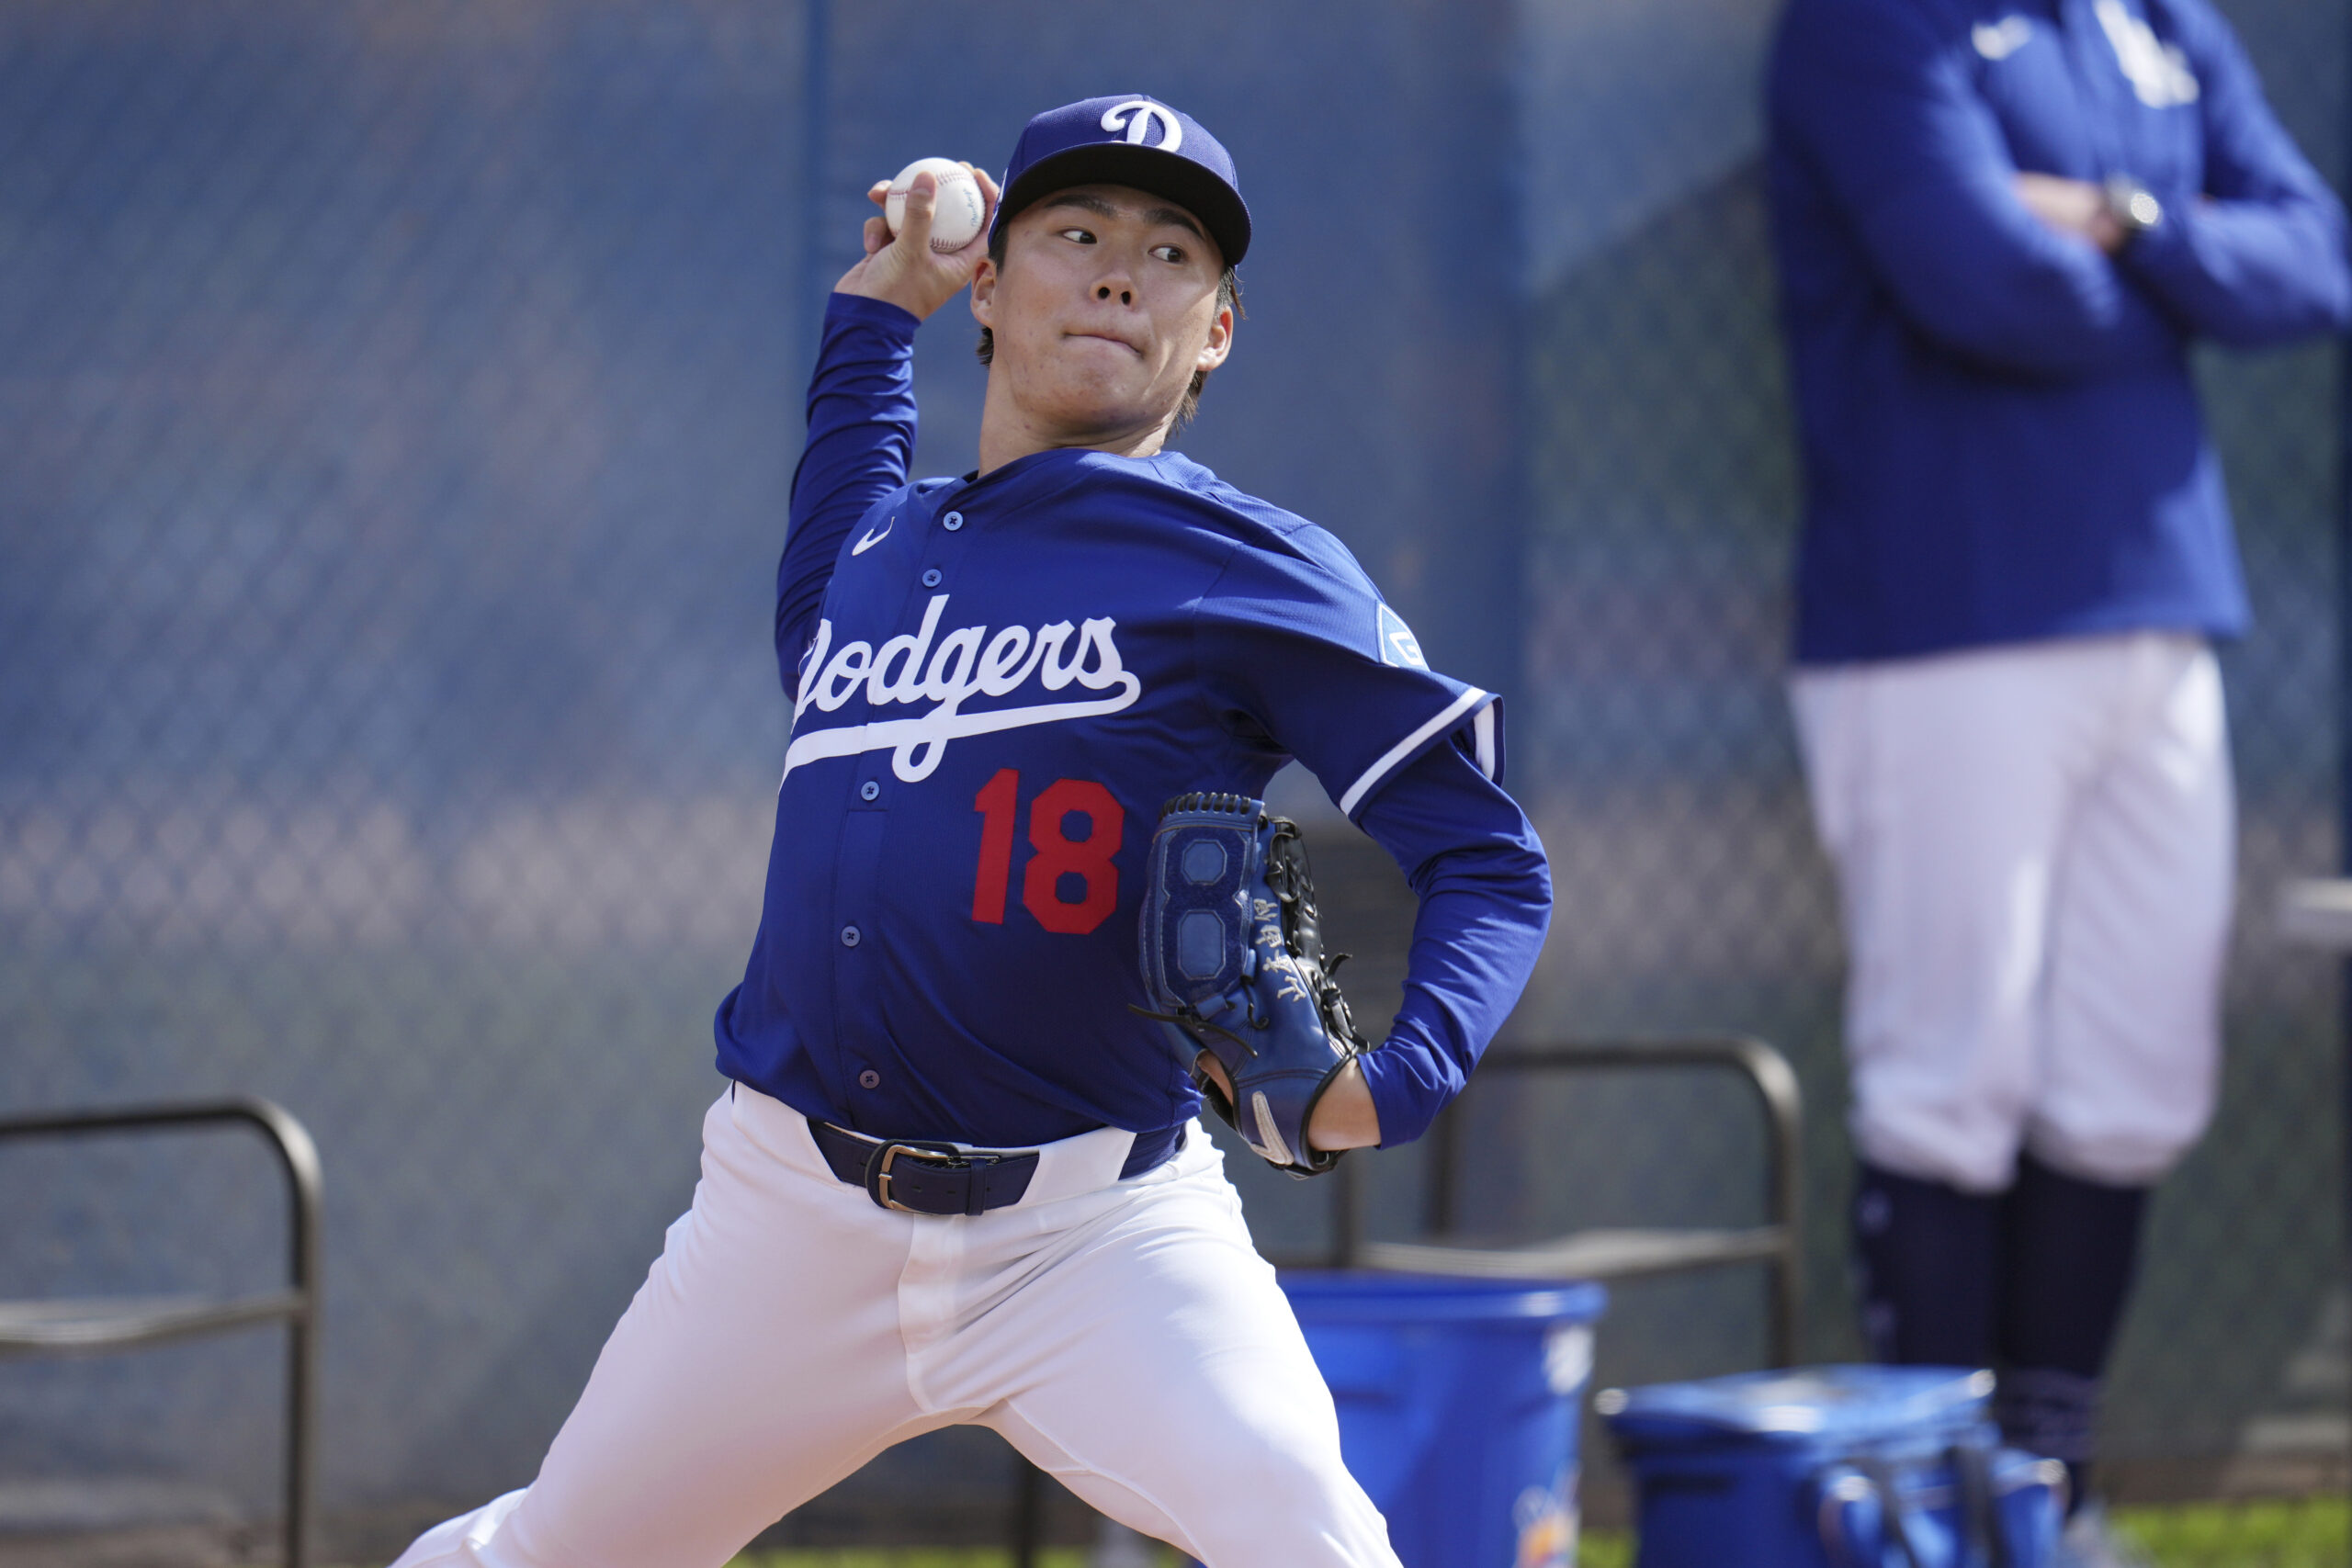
{"type": "Point", "coordinates": [2071, 207]}
{"type": "Point", "coordinates": [906, 271]}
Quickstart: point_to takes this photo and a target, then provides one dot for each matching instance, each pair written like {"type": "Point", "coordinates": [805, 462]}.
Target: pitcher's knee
{"type": "Point", "coordinates": [1286, 1506]}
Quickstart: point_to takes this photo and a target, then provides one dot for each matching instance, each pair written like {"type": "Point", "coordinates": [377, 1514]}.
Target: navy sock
{"type": "Point", "coordinates": [2070, 1248]}
{"type": "Point", "coordinates": [1929, 1257]}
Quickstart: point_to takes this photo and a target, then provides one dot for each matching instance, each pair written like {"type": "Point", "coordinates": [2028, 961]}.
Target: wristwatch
{"type": "Point", "coordinates": [2134, 207]}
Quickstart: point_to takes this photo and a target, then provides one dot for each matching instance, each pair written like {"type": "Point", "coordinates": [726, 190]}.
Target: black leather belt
{"type": "Point", "coordinates": [920, 1178]}
{"type": "Point", "coordinates": [924, 1178]}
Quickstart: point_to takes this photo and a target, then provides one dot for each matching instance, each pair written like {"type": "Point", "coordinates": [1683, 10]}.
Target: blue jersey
{"type": "Point", "coordinates": [2002, 439]}
{"type": "Point", "coordinates": [1003, 680]}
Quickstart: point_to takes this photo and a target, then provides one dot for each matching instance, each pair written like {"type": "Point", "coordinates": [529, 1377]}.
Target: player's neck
{"type": "Point", "coordinates": [1010, 433]}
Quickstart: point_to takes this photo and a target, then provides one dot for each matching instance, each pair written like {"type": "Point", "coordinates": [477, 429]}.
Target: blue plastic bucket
{"type": "Point", "coordinates": [1458, 1401]}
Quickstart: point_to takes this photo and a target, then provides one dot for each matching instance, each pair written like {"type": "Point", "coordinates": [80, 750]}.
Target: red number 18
{"type": "Point", "coordinates": [1055, 855]}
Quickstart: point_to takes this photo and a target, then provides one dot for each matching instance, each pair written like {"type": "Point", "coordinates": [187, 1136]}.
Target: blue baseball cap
{"type": "Point", "coordinates": [1128, 140]}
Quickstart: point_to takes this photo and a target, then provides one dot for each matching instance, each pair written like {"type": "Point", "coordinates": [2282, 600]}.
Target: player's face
{"type": "Point", "coordinates": [1104, 310]}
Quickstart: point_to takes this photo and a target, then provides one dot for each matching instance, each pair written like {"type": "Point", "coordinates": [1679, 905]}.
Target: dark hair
{"type": "Point", "coordinates": [1228, 298]}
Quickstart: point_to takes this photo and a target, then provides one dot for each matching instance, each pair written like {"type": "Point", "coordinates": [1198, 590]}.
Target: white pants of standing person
{"type": "Point", "coordinates": [1123, 1334]}
{"type": "Point", "coordinates": [2033, 843]}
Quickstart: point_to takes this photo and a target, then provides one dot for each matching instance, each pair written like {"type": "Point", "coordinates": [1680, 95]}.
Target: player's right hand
{"type": "Point", "coordinates": [906, 271]}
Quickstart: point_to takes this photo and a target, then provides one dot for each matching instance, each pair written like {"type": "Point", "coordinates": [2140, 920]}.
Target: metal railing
{"type": "Point", "coordinates": [60, 1326]}
{"type": "Point", "coordinates": [1615, 1254]}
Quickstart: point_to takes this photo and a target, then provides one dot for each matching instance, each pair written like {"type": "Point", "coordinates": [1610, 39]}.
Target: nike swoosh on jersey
{"type": "Point", "coordinates": [871, 540]}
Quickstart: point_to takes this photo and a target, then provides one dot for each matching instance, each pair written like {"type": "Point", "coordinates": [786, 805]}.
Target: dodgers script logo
{"type": "Point", "coordinates": [1135, 117]}
{"type": "Point", "coordinates": [910, 670]}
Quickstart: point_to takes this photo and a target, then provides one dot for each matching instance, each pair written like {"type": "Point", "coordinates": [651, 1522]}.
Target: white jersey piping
{"type": "Point", "coordinates": [1404, 748]}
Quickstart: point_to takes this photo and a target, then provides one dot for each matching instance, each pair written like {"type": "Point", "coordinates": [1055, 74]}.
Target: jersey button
{"type": "Point", "coordinates": [869, 1079]}
{"type": "Point", "coordinates": [931, 578]}
{"type": "Point", "coordinates": [869, 790]}
{"type": "Point", "coordinates": [952, 522]}
{"type": "Point", "coordinates": [849, 936]}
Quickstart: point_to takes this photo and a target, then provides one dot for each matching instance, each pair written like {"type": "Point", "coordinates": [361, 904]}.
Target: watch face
{"type": "Point", "coordinates": [2132, 204]}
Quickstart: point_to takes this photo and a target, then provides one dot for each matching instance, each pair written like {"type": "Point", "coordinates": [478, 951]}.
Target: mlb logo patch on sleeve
{"type": "Point", "coordinates": [1398, 645]}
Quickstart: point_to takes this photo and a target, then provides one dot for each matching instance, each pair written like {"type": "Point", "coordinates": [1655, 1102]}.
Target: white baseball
{"type": "Point", "coordinates": [955, 218]}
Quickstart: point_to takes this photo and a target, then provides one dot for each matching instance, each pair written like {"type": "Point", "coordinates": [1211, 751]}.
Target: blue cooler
{"type": "Point", "coordinates": [1833, 1467]}
{"type": "Point", "coordinates": [1458, 1403]}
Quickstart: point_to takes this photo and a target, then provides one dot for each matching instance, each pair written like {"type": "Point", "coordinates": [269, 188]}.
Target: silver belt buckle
{"type": "Point", "coordinates": [889, 1153]}
{"type": "Point", "coordinates": [878, 1183]}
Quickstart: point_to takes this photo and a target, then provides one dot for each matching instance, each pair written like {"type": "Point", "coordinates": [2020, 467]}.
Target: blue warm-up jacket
{"type": "Point", "coordinates": [2001, 439]}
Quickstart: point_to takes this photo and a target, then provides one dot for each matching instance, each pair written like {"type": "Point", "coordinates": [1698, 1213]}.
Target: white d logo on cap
{"type": "Point", "coordinates": [1134, 116]}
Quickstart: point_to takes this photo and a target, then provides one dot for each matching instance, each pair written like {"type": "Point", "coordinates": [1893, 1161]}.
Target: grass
{"type": "Point", "coordinates": [1604, 1548]}
{"type": "Point", "coordinates": [2310, 1532]}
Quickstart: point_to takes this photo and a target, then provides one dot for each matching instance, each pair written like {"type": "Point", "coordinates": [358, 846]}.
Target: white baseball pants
{"type": "Point", "coordinates": [1123, 1334]}
{"type": "Point", "coordinates": [2034, 846]}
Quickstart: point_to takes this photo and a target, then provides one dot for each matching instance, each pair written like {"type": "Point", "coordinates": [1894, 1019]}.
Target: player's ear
{"type": "Point", "coordinates": [984, 293]}
{"type": "Point", "coordinates": [1220, 344]}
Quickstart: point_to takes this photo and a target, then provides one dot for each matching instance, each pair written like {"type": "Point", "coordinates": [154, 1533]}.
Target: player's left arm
{"type": "Point", "coordinates": [1296, 649]}
{"type": "Point", "coordinates": [1485, 888]}
{"type": "Point", "coordinates": [2257, 256]}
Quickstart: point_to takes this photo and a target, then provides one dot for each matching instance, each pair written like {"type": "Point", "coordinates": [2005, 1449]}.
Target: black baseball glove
{"type": "Point", "coordinates": [1232, 961]}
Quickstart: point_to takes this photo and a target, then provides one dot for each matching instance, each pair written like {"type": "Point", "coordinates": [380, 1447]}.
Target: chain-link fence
{"type": "Point", "coordinates": [400, 402]}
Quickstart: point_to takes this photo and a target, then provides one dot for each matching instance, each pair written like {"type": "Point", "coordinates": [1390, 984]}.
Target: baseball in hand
{"type": "Point", "coordinates": [956, 219]}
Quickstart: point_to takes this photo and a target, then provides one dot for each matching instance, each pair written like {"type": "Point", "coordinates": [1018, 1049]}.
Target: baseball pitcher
{"type": "Point", "coordinates": [1024, 898]}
